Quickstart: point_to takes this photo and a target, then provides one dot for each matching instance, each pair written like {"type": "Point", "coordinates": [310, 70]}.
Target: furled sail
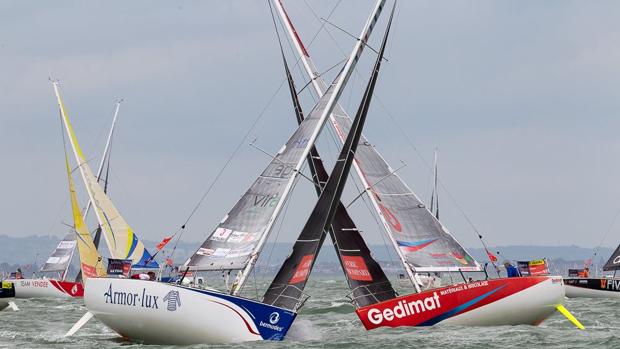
{"type": "Point", "coordinates": [614, 261]}
{"type": "Point", "coordinates": [238, 239]}
{"type": "Point", "coordinates": [91, 263]}
{"type": "Point", "coordinates": [120, 238]}
{"type": "Point", "coordinates": [421, 241]}
{"type": "Point", "coordinates": [286, 290]}
{"type": "Point", "coordinates": [366, 279]}
{"type": "Point", "coordinates": [60, 259]}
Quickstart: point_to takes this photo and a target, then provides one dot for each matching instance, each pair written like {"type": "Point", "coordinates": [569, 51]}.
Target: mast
{"type": "Point", "coordinates": [366, 279]}
{"type": "Point", "coordinates": [102, 162]}
{"type": "Point", "coordinates": [337, 91]}
{"type": "Point", "coordinates": [108, 143]}
{"type": "Point", "coordinates": [442, 241]}
{"type": "Point", "coordinates": [320, 88]}
{"type": "Point", "coordinates": [286, 290]}
{"type": "Point", "coordinates": [435, 193]}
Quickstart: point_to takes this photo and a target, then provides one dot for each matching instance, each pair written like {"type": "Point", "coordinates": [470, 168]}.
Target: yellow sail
{"type": "Point", "coordinates": [91, 262]}
{"type": "Point", "coordinates": [118, 235]}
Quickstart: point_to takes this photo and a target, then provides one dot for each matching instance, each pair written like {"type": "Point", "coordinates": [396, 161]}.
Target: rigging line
{"type": "Point", "coordinates": [609, 228]}
{"type": "Point", "coordinates": [238, 147]}
{"type": "Point", "coordinates": [452, 198]}
{"type": "Point", "coordinates": [316, 34]}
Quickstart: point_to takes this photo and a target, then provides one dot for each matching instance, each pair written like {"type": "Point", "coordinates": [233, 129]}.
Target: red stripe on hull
{"type": "Point", "coordinates": [73, 289]}
{"type": "Point", "coordinates": [433, 306]}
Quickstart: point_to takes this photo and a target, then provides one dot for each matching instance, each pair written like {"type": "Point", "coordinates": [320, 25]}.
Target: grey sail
{"type": "Point", "coordinates": [229, 247]}
{"type": "Point", "coordinates": [286, 290]}
{"type": "Point", "coordinates": [238, 238]}
{"type": "Point", "coordinates": [422, 242]}
{"type": "Point", "coordinates": [59, 260]}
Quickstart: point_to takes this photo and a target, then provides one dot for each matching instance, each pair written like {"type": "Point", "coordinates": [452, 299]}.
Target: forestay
{"type": "Point", "coordinates": [238, 238]}
{"type": "Point", "coordinates": [122, 242]}
{"type": "Point", "coordinates": [419, 238]}
{"type": "Point", "coordinates": [60, 259]}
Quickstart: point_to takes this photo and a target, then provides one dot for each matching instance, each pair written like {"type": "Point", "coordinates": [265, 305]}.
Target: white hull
{"type": "Point", "coordinates": [154, 312]}
{"type": "Point", "coordinates": [45, 288]}
{"type": "Point", "coordinates": [529, 306]}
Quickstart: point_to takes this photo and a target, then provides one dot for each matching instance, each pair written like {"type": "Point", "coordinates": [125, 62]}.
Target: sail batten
{"type": "Point", "coordinates": [391, 198]}
{"type": "Point", "coordinates": [119, 236]}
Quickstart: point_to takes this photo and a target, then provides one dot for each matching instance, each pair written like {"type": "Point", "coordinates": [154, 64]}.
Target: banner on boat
{"type": "Point", "coordinates": [119, 267]}
{"type": "Point", "coordinates": [576, 273]}
{"type": "Point", "coordinates": [533, 268]}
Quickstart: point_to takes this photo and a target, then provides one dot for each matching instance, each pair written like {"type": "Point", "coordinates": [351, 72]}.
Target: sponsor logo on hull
{"type": "Point", "coordinates": [431, 307]}
{"type": "Point", "coordinates": [602, 284]}
{"type": "Point", "coordinates": [260, 319]}
{"type": "Point", "coordinates": [51, 288]}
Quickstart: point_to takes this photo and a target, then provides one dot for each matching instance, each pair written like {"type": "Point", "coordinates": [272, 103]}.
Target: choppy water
{"type": "Point", "coordinates": [327, 321]}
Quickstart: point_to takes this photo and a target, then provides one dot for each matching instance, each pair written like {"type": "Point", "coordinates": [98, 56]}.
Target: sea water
{"type": "Point", "coordinates": [326, 321]}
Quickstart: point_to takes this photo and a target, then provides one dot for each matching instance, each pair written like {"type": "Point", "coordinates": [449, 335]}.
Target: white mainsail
{"type": "Point", "coordinates": [119, 236]}
{"type": "Point", "coordinates": [420, 240]}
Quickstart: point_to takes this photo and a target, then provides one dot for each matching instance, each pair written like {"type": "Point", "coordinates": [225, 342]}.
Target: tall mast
{"type": "Point", "coordinates": [337, 91]}
{"type": "Point", "coordinates": [435, 192]}
{"type": "Point", "coordinates": [286, 290]}
{"type": "Point", "coordinates": [105, 153]}
{"type": "Point", "coordinates": [102, 162]}
{"type": "Point", "coordinates": [320, 87]}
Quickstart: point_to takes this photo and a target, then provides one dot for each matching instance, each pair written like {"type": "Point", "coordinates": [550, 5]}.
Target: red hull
{"type": "Point", "coordinates": [431, 307]}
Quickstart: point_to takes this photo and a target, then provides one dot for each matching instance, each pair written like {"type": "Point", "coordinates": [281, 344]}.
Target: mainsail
{"type": "Point", "coordinates": [238, 239]}
{"type": "Point", "coordinates": [614, 261]}
{"type": "Point", "coordinates": [60, 259]}
{"type": "Point", "coordinates": [91, 264]}
{"type": "Point", "coordinates": [366, 279]}
{"type": "Point", "coordinates": [120, 238]}
{"type": "Point", "coordinates": [286, 290]}
{"type": "Point", "coordinates": [421, 241]}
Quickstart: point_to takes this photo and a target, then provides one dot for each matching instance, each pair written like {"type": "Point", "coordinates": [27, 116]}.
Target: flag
{"type": "Point", "coordinates": [169, 261]}
{"type": "Point", "coordinates": [163, 242]}
{"type": "Point", "coordinates": [492, 257]}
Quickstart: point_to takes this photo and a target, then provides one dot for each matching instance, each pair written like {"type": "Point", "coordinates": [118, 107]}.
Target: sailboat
{"type": "Point", "coordinates": [60, 259]}
{"type": "Point", "coordinates": [155, 312]}
{"type": "Point", "coordinates": [595, 287]}
{"type": "Point", "coordinates": [122, 242]}
{"type": "Point", "coordinates": [424, 245]}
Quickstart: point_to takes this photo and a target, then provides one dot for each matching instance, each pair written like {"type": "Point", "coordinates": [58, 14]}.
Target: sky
{"type": "Point", "coordinates": [521, 99]}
